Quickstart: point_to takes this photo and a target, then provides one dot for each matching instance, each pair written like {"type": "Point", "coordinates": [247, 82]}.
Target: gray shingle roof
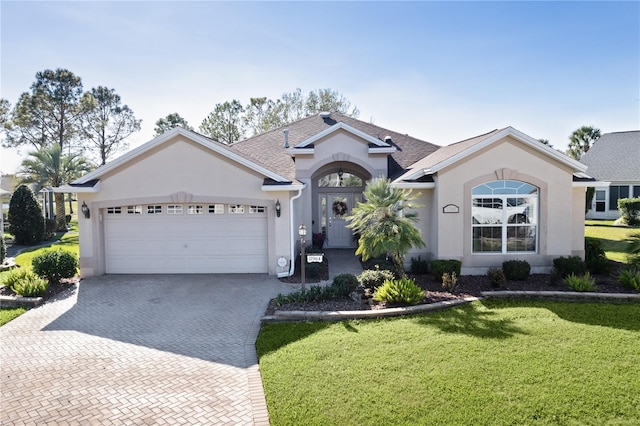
{"type": "Point", "coordinates": [267, 149]}
{"type": "Point", "coordinates": [615, 157]}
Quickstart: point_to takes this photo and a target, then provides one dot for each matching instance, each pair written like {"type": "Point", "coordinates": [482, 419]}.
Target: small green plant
{"type": "Point", "coordinates": [595, 257]}
{"type": "Point", "coordinates": [26, 283]}
{"type": "Point", "coordinates": [402, 291]}
{"type": "Point", "coordinates": [450, 282]}
{"type": "Point", "coordinates": [343, 285]}
{"type": "Point", "coordinates": [419, 266]}
{"type": "Point", "coordinates": [630, 278]}
{"type": "Point", "coordinates": [516, 270]}
{"type": "Point", "coordinates": [567, 265]}
{"type": "Point", "coordinates": [442, 266]}
{"type": "Point", "coordinates": [496, 277]}
{"type": "Point", "coordinates": [581, 282]}
{"type": "Point", "coordinates": [54, 265]}
{"type": "Point", "coordinates": [374, 278]}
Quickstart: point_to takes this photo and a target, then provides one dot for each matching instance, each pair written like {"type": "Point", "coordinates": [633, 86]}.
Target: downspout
{"type": "Point", "coordinates": [292, 268]}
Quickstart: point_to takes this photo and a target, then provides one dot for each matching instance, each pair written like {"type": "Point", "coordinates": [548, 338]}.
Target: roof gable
{"type": "Point", "coordinates": [451, 154]}
{"type": "Point", "coordinates": [166, 137]}
{"type": "Point", "coordinates": [335, 128]}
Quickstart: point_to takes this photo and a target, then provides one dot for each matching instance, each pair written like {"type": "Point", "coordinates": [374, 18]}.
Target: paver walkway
{"type": "Point", "coordinates": [139, 350]}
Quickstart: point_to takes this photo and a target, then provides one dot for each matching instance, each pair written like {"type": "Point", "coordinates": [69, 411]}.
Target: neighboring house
{"type": "Point", "coordinates": [615, 159]}
{"type": "Point", "coordinates": [183, 203]}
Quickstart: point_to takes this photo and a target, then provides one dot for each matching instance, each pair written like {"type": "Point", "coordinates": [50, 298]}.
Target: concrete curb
{"type": "Point", "coordinates": [281, 316]}
{"type": "Point", "coordinates": [18, 301]}
{"type": "Point", "coordinates": [563, 295]}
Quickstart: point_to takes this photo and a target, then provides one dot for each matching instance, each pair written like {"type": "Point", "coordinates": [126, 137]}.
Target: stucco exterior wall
{"type": "Point", "coordinates": [180, 171]}
{"type": "Point", "coordinates": [508, 159]}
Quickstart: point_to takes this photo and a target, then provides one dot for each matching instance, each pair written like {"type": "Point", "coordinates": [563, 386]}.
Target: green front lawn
{"type": "Point", "coordinates": [491, 362]}
{"type": "Point", "coordinates": [612, 237]}
{"type": "Point", "coordinates": [7, 314]}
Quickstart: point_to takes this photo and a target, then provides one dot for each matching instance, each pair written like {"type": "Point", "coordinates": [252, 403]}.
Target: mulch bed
{"type": "Point", "coordinates": [468, 286]}
{"type": "Point", "coordinates": [51, 291]}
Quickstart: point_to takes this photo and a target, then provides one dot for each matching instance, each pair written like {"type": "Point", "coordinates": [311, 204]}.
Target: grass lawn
{"type": "Point", "coordinates": [491, 362]}
{"type": "Point", "coordinates": [7, 314]}
{"type": "Point", "coordinates": [613, 237]}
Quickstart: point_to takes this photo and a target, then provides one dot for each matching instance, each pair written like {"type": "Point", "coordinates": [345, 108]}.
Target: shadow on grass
{"type": "Point", "coordinates": [273, 337]}
{"type": "Point", "coordinates": [472, 320]}
{"type": "Point", "coordinates": [613, 315]}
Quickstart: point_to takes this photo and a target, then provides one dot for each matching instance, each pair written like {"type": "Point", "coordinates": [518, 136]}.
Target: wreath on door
{"type": "Point", "coordinates": [339, 208]}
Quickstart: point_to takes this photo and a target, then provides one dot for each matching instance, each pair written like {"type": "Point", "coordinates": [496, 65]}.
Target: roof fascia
{"type": "Point", "coordinates": [382, 150]}
{"type": "Point", "coordinates": [77, 189]}
{"type": "Point", "coordinates": [100, 171]}
{"type": "Point", "coordinates": [300, 151]}
{"type": "Point", "coordinates": [343, 126]}
{"type": "Point", "coordinates": [413, 185]}
{"type": "Point", "coordinates": [591, 184]}
{"type": "Point", "coordinates": [277, 188]}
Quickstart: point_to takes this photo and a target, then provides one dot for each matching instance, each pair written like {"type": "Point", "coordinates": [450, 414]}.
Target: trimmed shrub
{"type": "Point", "coordinates": [402, 291]}
{"type": "Point", "coordinates": [313, 270]}
{"type": "Point", "coordinates": [419, 266]}
{"type": "Point", "coordinates": [374, 278]}
{"type": "Point", "coordinates": [629, 210]}
{"type": "Point", "coordinates": [440, 267]}
{"type": "Point", "coordinates": [496, 277]}
{"type": "Point", "coordinates": [26, 283]}
{"type": "Point", "coordinates": [595, 257]}
{"type": "Point", "coordinates": [54, 265]}
{"type": "Point", "coordinates": [516, 270]}
{"type": "Point", "coordinates": [450, 282]}
{"type": "Point", "coordinates": [581, 282]}
{"type": "Point", "coordinates": [567, 265]}
{"type": "Point", "coordinates": [382, 264]}
{"type": "Point", "coordinates": [25, 217]}
{"type": "Point", "coordinates": [630, 278]}
{"type": "Point", "coordinates": [343, 285]}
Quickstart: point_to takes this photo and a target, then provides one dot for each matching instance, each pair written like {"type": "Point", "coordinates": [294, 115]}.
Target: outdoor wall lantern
{"type": "Point", "coordinates": [85, 210]}
{"type": "Point", "coordinates": [278, 208]}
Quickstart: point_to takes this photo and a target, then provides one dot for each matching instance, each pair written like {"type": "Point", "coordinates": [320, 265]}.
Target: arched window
{"type": "Point", "coordinates": [504, 216]}
{"type": "Point", "coordinates": [340, 179]}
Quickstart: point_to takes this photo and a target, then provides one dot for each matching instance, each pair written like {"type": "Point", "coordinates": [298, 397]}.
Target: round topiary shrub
{"type": "Point", "coordinates": [344, 284]}
{"type": "Point", "coordinates": [374, 278]}
{"type": "Point", "coordinates": [516, 270]}
{"type": "Point", "coordinates": [54, 265]}
{"type": "Point", "coordinates": [25, 217]}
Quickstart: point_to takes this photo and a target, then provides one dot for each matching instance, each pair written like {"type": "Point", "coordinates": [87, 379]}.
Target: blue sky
{"type": "Point", "coordinates": [439, 71]}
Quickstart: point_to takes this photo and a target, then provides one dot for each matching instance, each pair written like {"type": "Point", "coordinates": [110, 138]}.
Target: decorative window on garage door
{"type": "Point", "coordinates": [195, 209]}
{"type": "Point", "coordinates": [504, 216]}
{"type": "Point", "coordinates": [114, 210]}
{"type": "Point", "coordinates": [236, 209]}
{"type": "Point", "coordinates": [216, 208]}
{"type": "Point", "coordinates": [174, 209]}
{"type": "Point", "coordinates": [155, 209]}
{"type": "Point", "coordinates": [257, 209]}
{"type": "Point", "coordinates": [134, 209]}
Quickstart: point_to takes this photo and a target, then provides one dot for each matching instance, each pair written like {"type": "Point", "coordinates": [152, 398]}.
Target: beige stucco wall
{"type": "Point", "coordinates": [180, 170]}
{"type": "Point", "coordinates": [559, 235]}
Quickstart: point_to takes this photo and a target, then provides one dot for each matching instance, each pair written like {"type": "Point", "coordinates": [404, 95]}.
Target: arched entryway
{"type": "Point", "coordinates": [337, 189]}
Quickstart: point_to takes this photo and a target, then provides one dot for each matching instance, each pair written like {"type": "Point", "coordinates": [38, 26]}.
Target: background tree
{"type": "Point", "coordinates": [50, 113]}
{"type": "Point", "coordinates": [106, 122]}
{"type": "Point", "coordinates": [384, 222]}
{"type": "Point", "coordinates": [169, 122]}
{"type": "Point", "coordinates": [225, 123]}
{"type": "Point", "coordinates": [48, 166]}
{"type": "Point", "coordinates": [259, 116]}
{"type": "Point", "coordinates": [25, 217]}
{"type": "Point", "coordinates": [545, 142]}
{"type": "Point", "coordinates": [581, 140]}
{"type": "Point", "coordinates": [5, 109]}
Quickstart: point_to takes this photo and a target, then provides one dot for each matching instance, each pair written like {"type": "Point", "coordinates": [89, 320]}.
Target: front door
{"type": "Point", "coordinates": [338, 207]}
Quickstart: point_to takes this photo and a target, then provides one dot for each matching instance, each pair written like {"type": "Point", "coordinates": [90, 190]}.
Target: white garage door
{"type": "Point", "coordinates": [183, 238]}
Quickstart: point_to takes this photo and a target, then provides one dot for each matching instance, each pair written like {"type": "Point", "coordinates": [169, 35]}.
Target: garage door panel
{"type": "Point", "coordinates": [186, 243]}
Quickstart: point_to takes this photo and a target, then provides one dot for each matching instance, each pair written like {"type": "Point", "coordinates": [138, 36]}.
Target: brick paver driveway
{"type": "Point", "coordinates": [139, 350]}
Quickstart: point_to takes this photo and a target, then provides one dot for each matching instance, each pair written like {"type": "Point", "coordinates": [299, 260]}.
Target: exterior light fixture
{"type": "Point", "coordinates": [85, 210]}
{"type": "Point", "coordinates": [278, 208]}
{"type": "Point", "coordinates": [302, 231]}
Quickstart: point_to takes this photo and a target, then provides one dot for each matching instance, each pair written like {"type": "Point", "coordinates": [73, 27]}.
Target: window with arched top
{"type": "Point", "coordinates": [340, 179]}
{"type": "Point", "coordinates": [504, 217]}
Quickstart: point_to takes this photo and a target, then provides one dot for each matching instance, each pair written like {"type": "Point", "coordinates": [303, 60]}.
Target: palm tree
{"type": "Point", "coordinates": [48, 166]}
{"type": "Point", "coordinates": [384, 224]}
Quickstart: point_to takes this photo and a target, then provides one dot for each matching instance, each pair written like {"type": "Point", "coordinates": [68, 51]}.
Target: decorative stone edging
{"type": "Point", "coordinates": [563, 295]}
{"type": "Point", "coordinates": [281, 316]}
{"type": "Point", "coordinates": [18, 301]}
